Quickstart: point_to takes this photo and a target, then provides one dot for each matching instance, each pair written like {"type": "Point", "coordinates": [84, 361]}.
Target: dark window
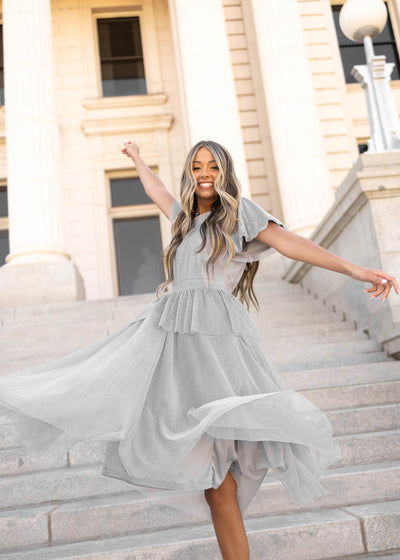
{"type": "Point", "coordinates": [1, 67]}
{"type": "Point", "coordinates": [127, 192]}
{"type": "Point", "coordinates": [4, 246]}
{"type": "Point", "coordinates": [3, 202]}
{"type": "Point", "coordinates": [353, 53]}
{"type": "Point", "coordinates": [139, 258]}
{"type": "Point", "coordinates": [4, 239]}
{"type": "Point", "coordinates": [121, 57]}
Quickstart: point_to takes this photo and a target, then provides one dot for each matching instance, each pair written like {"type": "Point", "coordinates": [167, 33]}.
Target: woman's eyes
{"type": "Point", "coordinates": [197, 168]}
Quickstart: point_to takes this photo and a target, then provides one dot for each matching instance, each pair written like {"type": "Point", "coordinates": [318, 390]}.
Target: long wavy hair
{"type": "Point", "coordinates": [221, 223]}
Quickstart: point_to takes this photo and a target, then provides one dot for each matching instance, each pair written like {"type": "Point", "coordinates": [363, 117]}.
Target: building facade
{"type": "Point", "coordinates": [270, 79]}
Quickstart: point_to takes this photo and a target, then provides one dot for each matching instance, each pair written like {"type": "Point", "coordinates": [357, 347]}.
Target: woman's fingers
{"type": "Point", "coordinates": [129, 147]}
{"type": "Point", "coordinates": [394, 283]}
{"type": "Point", "coordinates": [382, 283]}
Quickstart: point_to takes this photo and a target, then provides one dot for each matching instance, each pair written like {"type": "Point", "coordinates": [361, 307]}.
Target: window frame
{"type": "Point", "coordinates": [113, 60]}
{"type": "Point", "coordinates": [134, 211]}
{"type": "Point", "coordinates": [149, 47]}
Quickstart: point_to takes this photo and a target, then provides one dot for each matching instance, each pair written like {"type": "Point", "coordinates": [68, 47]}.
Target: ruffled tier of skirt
{"type": "Point", "coordinates": [193, 309]}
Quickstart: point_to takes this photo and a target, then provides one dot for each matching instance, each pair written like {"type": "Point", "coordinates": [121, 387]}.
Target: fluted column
{"type": "Point", "coordinates": [32, 134]}
{"type": "Point", "coordinates": [33, 166]}
{"type": "Point", "coordinates": [300, 157]}
{"type": "Point", "coordinates": [208, 88]}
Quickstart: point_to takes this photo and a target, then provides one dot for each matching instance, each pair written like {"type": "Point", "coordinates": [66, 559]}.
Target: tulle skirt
{"type": "Point", "coordinates": [182, 395]}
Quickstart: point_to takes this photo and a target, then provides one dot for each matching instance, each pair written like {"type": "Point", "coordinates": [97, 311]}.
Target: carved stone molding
{"type": "Point", "coordinates": [120, 102]}
{"type": "Point", "coordinates": [127, 125]}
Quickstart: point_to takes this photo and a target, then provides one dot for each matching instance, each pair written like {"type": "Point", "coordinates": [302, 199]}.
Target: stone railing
{"type": "Point", "coordinates": [362, 226]}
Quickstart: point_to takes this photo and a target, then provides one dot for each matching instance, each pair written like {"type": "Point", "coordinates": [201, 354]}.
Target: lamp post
{"type": "Point", "coordinates": [361, 21]}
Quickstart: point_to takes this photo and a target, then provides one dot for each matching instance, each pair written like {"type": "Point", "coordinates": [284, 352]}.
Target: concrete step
{"type": "Point", "coordinates": [56, 485]}
{"type": "Point", "coordinates": [290, 353]}
{"type": "Point", "coordinates": [111, 515]}
{"type": "Point", "coordinates": [71, 311]}
{"type": "Point", "coordinates": [345, 375]}
{"type": "Point", "coordinates": [380, 523]}
{"type": "Point", "coordinates": [302, 536]}
{"type": "Point", "coordinates": [317, 317]}
{"type": "Point", "coordinates": [277, 339]}
{"type": "Point", "coordinates": [351, 396]}
{"type": "Point", "coordinates": [365, 419]}
{"type": "Point", "coordinates": [373, 447]}
{"type": "Point", "coordinates": [331, 361]}
{"type": "Point", "coordinates": [290, 307]}
{"type": "Point", "coordinates": [321, 329]}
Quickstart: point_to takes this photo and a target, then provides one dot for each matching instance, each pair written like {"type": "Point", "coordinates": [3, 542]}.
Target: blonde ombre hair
{"type": "Point", "coordinates": [221, 223]}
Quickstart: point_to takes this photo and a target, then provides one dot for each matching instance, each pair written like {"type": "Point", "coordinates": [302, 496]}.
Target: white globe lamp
{"type": "Point", "coordinates": [362, 18]}
{"type": "Point", "coordinates": [361, 21]}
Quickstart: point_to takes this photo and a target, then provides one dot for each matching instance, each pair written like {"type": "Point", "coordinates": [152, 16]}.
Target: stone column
{"type": "Point", "coordinates": [208, 88]}
{"type": "Point", "coordinates": [300, 157]}
{"type": "Point", "coordinates": [38, 267]}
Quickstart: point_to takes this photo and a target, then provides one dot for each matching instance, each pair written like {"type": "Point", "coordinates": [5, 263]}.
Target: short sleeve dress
{"type": "Point", "coordinates": [184, 393]}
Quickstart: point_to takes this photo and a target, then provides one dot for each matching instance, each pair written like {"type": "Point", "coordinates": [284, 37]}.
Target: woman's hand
{"type": "Point", "coordinates": [381, 282]}
{"type": "Point", "coordinates": [130, 148]}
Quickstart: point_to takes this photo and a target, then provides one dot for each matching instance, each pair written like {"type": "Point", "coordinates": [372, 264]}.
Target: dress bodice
{"type": "Point", "coordinates": [188, 263]}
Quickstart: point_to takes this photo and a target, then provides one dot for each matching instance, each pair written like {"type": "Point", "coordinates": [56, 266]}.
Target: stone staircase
{"type": "Point", "coordinates": [62, 508]}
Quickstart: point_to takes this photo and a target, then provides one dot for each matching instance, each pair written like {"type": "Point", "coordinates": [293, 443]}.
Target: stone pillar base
{"type": "Point", "coordinates": [35, 284]}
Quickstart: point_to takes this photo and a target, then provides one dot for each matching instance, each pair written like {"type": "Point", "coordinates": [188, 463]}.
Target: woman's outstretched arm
{"type": "Point", "coordinates": [301, 249]}
{"type": "Point", "coordinates": [152, 184]}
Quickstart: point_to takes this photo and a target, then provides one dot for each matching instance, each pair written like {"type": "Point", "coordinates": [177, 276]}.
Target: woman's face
{"type": "Point", "coordinates": [205, 171]}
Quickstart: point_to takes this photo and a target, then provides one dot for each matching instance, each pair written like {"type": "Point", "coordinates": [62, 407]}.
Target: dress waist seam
{"type": "Point", "coordinates": [199, 283]}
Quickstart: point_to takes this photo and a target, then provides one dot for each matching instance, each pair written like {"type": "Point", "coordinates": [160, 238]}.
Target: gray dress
{"type": "Point", "coordinates": [184, 393]}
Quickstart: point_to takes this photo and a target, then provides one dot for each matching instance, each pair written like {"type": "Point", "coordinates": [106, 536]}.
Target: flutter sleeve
{"type": "Point", "coordinates": [252, 220]}
{"type": "Point", "coordinates": [175, 209]}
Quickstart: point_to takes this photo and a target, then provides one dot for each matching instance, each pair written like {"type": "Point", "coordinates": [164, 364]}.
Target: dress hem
{"type": "Point", "coordinates": [155, 485]}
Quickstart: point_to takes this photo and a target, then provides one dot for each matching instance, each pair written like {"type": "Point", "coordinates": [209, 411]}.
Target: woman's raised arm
{"type": "Point", "coordinates": [301, 249]}
{"type": "Point", "coordinates": [153, 185]}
